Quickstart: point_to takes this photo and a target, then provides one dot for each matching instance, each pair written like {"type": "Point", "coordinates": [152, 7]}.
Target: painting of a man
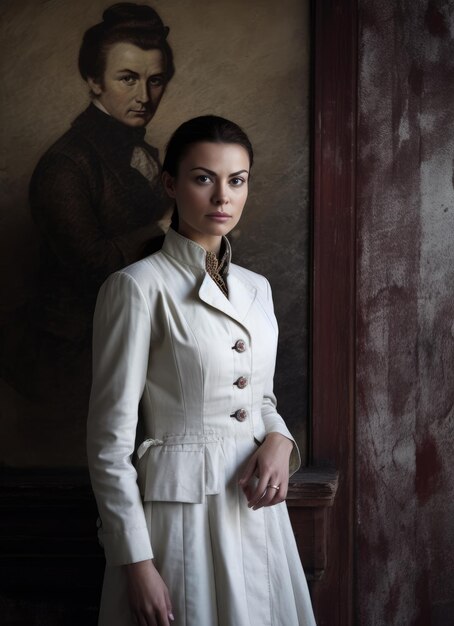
{"type": "Point", "coordinates": [96, 195]}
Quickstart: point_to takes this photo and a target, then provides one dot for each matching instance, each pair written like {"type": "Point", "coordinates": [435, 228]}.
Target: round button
{"type": "Point", "coordinates": [241, 383]}
{"type": "Point", "coordinates": [240, 345]}
{"type": "Point", "coordinates": [240, 415]}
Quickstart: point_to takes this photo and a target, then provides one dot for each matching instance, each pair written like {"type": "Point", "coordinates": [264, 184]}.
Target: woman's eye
{"type": "Point", "coordinates": [203, 179]}
{"type": "Point", "coordinates": [237, 182]}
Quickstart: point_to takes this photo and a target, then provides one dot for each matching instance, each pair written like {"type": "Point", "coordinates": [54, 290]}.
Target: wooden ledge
{"type": "Point", "coordinates": [313, 486]}
{"type": "Point", "coordinates": [311, 493]}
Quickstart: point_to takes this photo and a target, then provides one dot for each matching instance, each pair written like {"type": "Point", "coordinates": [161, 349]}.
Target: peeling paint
{"type": "Point", "coordinates": [405, 279]}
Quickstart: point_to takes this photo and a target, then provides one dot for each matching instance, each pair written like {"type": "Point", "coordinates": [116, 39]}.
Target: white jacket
{"type": "Point", "coordinates": [170, 347]}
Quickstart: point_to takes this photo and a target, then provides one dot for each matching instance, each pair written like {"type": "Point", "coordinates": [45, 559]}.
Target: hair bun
{"type": "Point", "coordinates": [127, 12]}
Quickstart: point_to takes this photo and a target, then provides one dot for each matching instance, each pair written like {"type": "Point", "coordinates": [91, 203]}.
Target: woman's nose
{"type": "Point", "coordinates": [142, 92]}
{"type": "Point", "coordinates": [220, 195]}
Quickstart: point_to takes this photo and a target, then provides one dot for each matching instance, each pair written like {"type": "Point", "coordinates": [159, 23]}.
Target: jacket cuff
{"type": "Point", "coordinates": [128, 547]}
{"type": "Point", "coordinates": [295, 457]}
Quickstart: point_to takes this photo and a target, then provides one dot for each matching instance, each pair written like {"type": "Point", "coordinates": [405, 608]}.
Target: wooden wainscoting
{"type": "Point", "coordinates": [51, 565]}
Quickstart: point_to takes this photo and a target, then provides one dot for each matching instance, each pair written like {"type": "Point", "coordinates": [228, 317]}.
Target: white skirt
{"type": "Point", "coordinates": [223, 563]}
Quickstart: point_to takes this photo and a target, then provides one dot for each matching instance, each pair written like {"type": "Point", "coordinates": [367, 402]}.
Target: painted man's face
{"type": "Point", "coordinates": [133, 84]}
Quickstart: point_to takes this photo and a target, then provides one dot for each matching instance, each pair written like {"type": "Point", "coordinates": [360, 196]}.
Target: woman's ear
{"type": "Point", "coordinates": [95, 86]}
{"type": "Point", "coordinates": [169, 184]}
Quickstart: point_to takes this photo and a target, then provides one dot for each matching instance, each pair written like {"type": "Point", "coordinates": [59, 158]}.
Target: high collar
{"type": "Point", "coordinates": [241, 292]}
{"type": "Point", "coordinates": [100, 124]}
{"type": "Point", "coordinates": [189, 252]}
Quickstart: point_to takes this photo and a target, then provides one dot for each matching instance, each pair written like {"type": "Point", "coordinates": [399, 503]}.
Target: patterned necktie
{"type": "Point", "coordinates": [217, 270]}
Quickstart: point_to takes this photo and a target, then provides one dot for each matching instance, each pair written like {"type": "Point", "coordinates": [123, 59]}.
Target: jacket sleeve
{"type": "Point", "coordinates": [64, 209]}
{"type": "Point", "coordinates": [121, 340]}
{"type": "Point", "coordinates": [271, 418]}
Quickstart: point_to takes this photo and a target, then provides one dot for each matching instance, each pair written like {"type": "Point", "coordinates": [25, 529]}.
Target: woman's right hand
{"type": "Point", "coordinates": [148, 595]}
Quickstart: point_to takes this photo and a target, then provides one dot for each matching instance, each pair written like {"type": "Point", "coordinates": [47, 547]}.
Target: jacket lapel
{"type": "Point", "coordinates": [241, 297]}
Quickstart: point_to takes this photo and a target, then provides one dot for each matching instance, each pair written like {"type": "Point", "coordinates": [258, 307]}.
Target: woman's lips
{"type": "Point", "coordinates": [219, 217]}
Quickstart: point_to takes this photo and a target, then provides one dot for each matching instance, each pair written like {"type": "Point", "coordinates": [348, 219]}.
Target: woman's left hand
{"type": "Point", "coordinates": [270, 464]}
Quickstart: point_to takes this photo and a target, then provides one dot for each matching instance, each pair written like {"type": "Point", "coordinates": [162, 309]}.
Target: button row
{"type": "Point", "coordinates": [241, 414]}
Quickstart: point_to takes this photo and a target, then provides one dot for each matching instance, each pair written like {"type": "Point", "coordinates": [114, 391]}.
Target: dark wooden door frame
{"type": "Point", "coordinates": [333, 291]}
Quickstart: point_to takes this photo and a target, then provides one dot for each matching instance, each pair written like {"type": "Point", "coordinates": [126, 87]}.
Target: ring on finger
{"type": "Point", "coordinates": [269, 486]}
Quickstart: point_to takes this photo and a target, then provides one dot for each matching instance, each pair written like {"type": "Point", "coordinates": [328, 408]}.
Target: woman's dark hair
{"type": "Point", "coordinates": [209, 128]}
{"type": "Point", "coordinates": [136, 24]}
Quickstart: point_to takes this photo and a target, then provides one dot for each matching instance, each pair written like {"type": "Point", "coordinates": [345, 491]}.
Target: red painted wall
{"type": "Point", "coordinates": [405, 314]}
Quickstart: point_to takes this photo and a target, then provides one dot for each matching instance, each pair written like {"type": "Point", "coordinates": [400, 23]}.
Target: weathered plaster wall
{"type": "Point", "coordinates": [246, 61]}
{"type": "Point", "coordinates": [405, 365]}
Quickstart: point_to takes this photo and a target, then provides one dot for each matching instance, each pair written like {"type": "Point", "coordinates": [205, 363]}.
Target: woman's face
{"type": "Point", "coordinates": [133, 84]}
{"type": "Point", "coordinates": [210, 191]}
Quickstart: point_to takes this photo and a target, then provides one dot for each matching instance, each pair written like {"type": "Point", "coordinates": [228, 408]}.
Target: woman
{"type": "Point", "coordinates": [197, 529]}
